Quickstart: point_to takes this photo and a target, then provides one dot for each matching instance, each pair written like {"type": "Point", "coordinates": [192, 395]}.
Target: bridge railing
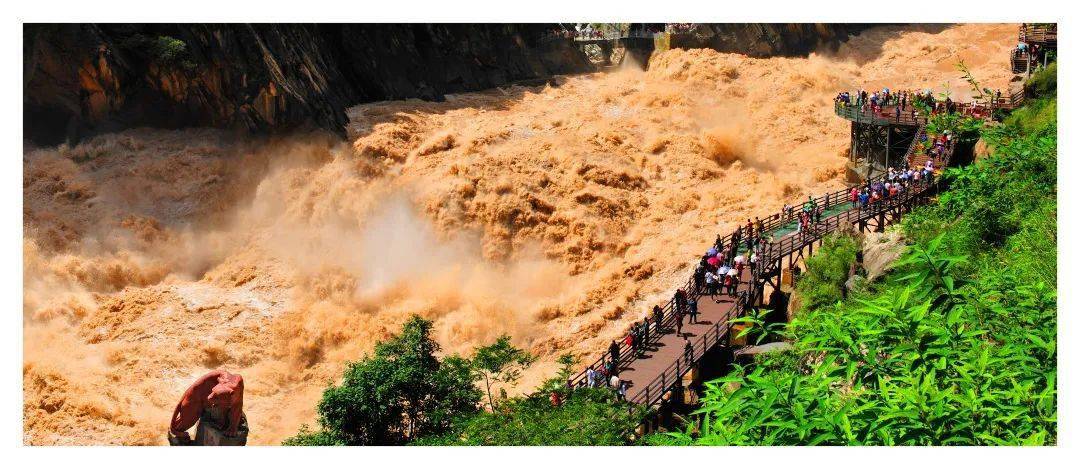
{"type": "Point", "coordinates": [1038, 33]}
{"type": "Point", "coordinates": [863, 115]}
{"type": "Point", "coordinates": [654, 391]}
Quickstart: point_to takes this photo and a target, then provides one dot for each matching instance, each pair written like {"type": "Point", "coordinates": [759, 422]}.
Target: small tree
{"type": "Point", "coordinates": [400, 393]}
{"type": "Point", "coordinates": [566, 362]}
{"type": "Point", "coordinates": [500, 362]}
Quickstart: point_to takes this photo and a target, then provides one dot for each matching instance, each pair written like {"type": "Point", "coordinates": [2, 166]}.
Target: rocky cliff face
{"type": "Point", "coordinates": [82, 79]}
{"type": "Point", "coordinates": [766, 39]}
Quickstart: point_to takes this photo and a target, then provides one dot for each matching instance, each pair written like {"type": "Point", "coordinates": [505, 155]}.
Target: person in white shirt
{"type": "Point", "coordinates": [710, 282]}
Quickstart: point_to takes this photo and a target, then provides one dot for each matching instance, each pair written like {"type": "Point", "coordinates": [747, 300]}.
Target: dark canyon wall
{"type": "Point", "coordinates": [89, 78]}
{"type": "Point", "coordinates": [766, 39]}
{"type": "Point", "coordinates": [83, 79]}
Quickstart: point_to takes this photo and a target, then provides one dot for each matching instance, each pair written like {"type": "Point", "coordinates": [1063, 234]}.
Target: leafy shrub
{"type": "Point", "coordinates": [1043, 82]}
{"type": "Point", "coordinates": [1037, 114]}
{"type": "Point", "coordinates": [166, 51]}
{"type": "Point", "coordinates": [594, 417]}
{"type": "Point", "coordinates": [822, 282]}
{"type": "Point", "coordinates": [500, 362]}
{"type": "Point", "coordinates": [308, 437]}
{"type": "Point", "coordinates": [400, 393]}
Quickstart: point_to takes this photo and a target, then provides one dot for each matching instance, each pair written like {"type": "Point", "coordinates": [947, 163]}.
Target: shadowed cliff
{"type": "Point", "coordinates": [85, 79]}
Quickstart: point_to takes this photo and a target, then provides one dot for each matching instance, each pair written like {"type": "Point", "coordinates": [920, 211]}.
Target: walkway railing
{"type": "Point", "coordinates": [863, 115]}
{"type": "Point", "coordinates": [654, 391]}
{"type": "Point", "coordinates": [1038, 34]}
{"type": "Point", "coordinates": [787, 244]}
{"type": "Point", "coordinates": [670, 377]}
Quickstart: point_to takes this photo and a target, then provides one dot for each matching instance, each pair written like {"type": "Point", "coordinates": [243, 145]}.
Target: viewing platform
{"type": "Point", "coordinates": [1039, 34]}
{"type": "Point", "coordinates": [886, 116]}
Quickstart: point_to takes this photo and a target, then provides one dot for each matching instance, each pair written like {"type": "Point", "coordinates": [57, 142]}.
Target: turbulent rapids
{"type": "Point", "coordinates": [557, 215]}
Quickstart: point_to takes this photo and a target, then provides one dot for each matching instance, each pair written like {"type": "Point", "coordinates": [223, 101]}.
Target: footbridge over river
{"type": "Point", "coordinates": [657, 376]}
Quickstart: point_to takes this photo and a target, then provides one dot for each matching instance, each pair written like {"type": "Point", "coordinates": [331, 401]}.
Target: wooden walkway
{"type": "Point", "coordinates": [664, 360]}
{"type": "Point", "coordinates": [666, 353]}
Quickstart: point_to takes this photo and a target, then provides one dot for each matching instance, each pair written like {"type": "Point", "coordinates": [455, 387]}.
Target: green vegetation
{"type": "Point", "coordinates": [1043, 82]}
{"type": "Point", "coordinates": [587, 416]}
{"type": "Point", "coordinates": [401, 393]}
{"type": "Point", "coordinates": [405, 394]}
{"type": "Point", "coordinates": [957, 346]}
{"type": "Point", "coordinates": [823, 281]}
{"type": "Point", "coordinates": [166, 51]}
{"type": "Point", "coordinates": [500, 363]}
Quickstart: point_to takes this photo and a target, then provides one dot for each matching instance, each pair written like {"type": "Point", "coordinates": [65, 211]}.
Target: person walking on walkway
{"type": "Point", "coordinates": [688, 351]}
{"type": "Point", "coordinates": [733, 281]}
{"type": "Point", "coordinates": [749, 232]}
{"type": "Point", "coordinates": [678, 323]}
{"type": "Point", "coordinates": [613, 350]}
{"type": "Point", "coordinates": [699, 278]}
{"type": "Point", "coordinates": [680, 301]}
{"type": "Point", "coordinates": [691, 308]}
{"type": "Point", "coordinates": [711, 282]}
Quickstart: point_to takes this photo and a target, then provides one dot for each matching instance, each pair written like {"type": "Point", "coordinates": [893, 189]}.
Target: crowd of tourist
{"type": "Point", "coordinates": [895, 184]}
{"type": "Point", "coordinates": [907, 104]}
{"type": "Point", "coordinates": [589, 32]}
{"type": "Point", "coordinates": [680, 27]}
{"type": "Point", "coordinates": [934, 148]}
{"type": "Point", "coordinates": [1034, 55]}
{"type": "Point", "coordinates": [719, 271]}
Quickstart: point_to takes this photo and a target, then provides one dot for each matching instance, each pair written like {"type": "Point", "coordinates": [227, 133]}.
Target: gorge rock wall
{"type": "Point", "coordinates": [81, 79]}
{"type": "Point", "coordinates": [766, 39]}
{"type": "Point", "coordinates": [84, 79]}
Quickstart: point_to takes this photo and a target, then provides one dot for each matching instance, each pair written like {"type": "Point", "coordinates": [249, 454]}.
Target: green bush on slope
{"type": "Point", "coordinates": [401, 392]}
{"type": "Point", "coordinates": [822, 283]}
{"type": "Point", "coordinates": [592, 417]}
